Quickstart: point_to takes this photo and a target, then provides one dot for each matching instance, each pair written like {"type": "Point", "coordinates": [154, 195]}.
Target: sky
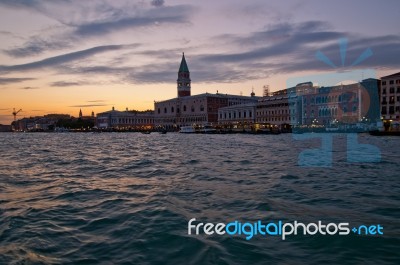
{"type": "Point", "coordinates": [60, 56]}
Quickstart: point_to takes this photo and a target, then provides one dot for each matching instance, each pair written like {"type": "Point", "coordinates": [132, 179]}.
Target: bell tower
{"type": "Point", "coordinates": [183, 80]}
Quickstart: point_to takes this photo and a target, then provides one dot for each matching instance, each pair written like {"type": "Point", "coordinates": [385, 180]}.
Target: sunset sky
{"type": "Point", "coordinates": [57, 56]}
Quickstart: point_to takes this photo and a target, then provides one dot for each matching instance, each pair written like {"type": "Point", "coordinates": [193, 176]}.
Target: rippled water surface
{"type": "Point", "coordinates": [126, 198]}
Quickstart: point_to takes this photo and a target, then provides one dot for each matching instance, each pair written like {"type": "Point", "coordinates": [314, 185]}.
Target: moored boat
{"type": "Point", "coordinates": [207, 129]}
{"type": "Point", "coordinates": [187, 129]}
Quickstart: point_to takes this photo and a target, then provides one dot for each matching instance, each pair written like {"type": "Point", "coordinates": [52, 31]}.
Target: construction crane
{"type": "Point", "coordinates": [15, 113]}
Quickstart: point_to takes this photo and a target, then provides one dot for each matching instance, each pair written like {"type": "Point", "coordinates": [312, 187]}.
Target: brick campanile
{"type": "Point", "coordinates": [183, 80]}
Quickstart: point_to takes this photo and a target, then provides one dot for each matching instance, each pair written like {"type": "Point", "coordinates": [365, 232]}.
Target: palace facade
{"type": "Point", "coordinates": [186, 110]}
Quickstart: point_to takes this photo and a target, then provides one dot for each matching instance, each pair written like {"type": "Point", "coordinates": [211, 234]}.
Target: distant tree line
{"type": "Point", "coordinates": [73, 123]}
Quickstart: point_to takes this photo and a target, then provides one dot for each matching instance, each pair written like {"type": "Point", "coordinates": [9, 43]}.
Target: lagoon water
{"type": "Point", "coordinates": [126, 198]}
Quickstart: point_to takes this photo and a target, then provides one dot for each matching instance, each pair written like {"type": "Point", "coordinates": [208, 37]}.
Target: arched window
{"type": "Point", "coordinates": [192, 108]}
{"type": "Point", "coordinates": [159, 110]}
{"type": "Point", "coordinates": [184, 107]}
{"type": "Point", "coordinates": [172, 109]}
{"type": "Point", "coordinates": [165, 110]}
{"type": "Point", "coordinates": [201, 108]}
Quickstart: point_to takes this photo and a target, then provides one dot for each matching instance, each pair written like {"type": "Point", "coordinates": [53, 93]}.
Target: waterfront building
{"type": "Point", "coordinates": [24, 124]}
{"type": "Point", "coordinates": [238, 117]}
{"type": "Point", "coordinates": [125, 120]}
{"type": "Point", "coordinates": [341, 104]}
{"type": "Point", "coordinates": [390, 97]}
{"type": "Point", "coordinates": [283, 108]}
{"type": "Point", "coordinates": [38, 123]}
{"type": "Point", "coordinates": [188, 110]}
{"type": "Point", "coordinates": [309, 105]}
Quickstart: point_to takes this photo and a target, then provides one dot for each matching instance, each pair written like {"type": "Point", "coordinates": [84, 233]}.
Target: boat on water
{"type": "Point", "coordinates": [207, 129]}
{"type": "Point", "coordinates": [198, 129]}
{"type": "Point", "coordinates": [187, 129]}
{"type": "Point", "coordinates": [60, 130]}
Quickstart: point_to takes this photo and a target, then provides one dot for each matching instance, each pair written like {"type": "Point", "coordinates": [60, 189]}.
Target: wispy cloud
{"type": "Point", "coordinates": [278, 48]}
{"type": "Point", "coordinates": [37, 45]}
{"type": "Point", "coordinates": [151, 17]}
{"type": "Point", "coordinates": [90, 20]}
{"type": "Point", "coordinates": [89, 105]}
{"type": "Point", "coordinates": [10, 34]}
{"type": "Point", "coordinates": [11, 80]}
{"type": "Point", "coordinates": [68, 83]}
{"type": "Point", "coordinates": [64, 58]}
{"type": "Point", "coordinates": [290, 48]}
{"type": "Point", "coordinates": [29, 88]}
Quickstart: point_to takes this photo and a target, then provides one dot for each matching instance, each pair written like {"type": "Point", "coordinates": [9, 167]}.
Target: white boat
{"type": "Point", "coordinates": [208, 129]}
{"type": "Point", "coordinates": [187, 129]}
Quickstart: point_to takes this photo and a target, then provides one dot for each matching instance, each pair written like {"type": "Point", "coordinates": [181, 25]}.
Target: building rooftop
{"type": "Point", "coordinates": [129, 112]}
{"type": "Point", "coordinates": [390, 76]}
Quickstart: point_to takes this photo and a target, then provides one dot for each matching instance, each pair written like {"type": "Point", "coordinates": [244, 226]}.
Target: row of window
{"type": "Point", "coordinates": [329, 112]}
{"type": "Point", "coordinates": [130, 121]}
{"type": "Point", "coordinates": [391, 100]}
{"type": "Point", "coordinates": [391, 82]}
{"type": "Point", "coordinates": [230, 115]}
{"type": "Point", "coordinates": [274, 112]}
{"type": "Point", "coordinates": [391, 90]}
{"type": "Point", "coordinates": [328, 99]}
{"type": "Point", "coordinates": [392, 110]}
{"type": "Point", "coordinates": [172, 110]}
{"type": "Point", "coordinates": [196, 119]}
{"type": "Point", "coordinates": [272, 119]}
